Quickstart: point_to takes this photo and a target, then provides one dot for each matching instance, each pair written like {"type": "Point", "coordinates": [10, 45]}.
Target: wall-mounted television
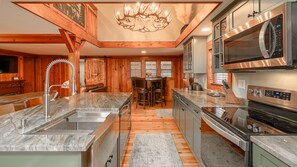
{"type": "Point", "coordinates": [8, 64]}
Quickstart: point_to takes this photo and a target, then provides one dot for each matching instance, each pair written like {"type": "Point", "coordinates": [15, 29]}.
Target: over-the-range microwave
{"type": "Point", "coordinates": [267, 41]}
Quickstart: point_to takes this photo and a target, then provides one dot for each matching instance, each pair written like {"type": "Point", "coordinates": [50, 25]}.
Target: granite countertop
{"type": "Point", "coordinates": [282, 147]}
{"type": "Point", "coordinates": [201, 99]}
{"type": "Point", "coordinates": [15, 138]}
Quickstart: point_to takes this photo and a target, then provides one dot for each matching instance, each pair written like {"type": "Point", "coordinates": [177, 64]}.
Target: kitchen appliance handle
{"type": "Point", "coordinates": [262, 46]}
{"type": "Point", "coordinates": [123, 111]}
{"type": "Point", "coordinates": [225, 132]}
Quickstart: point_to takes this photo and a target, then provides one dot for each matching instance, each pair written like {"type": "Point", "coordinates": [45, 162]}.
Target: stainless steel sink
{"type": "Point", "coordinates": [81, 122]}
{"type": "Point", "coordinates": [88, 116]}
{"type": "Point", "coordinates": [65, 127]}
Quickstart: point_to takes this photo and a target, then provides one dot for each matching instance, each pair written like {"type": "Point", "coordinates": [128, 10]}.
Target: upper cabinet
{"type": "Point", "coordinates": [219, 28]}
{"type": "Point", "coordinates": [195, 55]}
{"type": "Point", "coordinates": [243, 13]}
{"type": "Point", "coordinates": [248, 9]}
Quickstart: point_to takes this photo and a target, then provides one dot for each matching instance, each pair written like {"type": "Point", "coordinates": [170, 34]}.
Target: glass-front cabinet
{"type": "Point", "coordinates": [195, 55]}
{"type": "Point", "coordinates": [219, 30]}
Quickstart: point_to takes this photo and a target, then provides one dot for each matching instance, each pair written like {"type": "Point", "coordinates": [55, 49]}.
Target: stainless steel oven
{"type": "Point", "coordinates": [269, 40]}
{"type": "Point", "coordinates": [222, 147]}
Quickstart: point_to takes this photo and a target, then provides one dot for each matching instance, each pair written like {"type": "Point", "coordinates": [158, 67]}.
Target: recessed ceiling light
{"type": "Point", "coordinates": [143, 51]}
{"type": "Point", "coordinates": [205, 29]}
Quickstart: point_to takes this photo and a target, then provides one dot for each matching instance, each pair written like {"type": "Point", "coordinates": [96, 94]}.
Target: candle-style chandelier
{"type": "Point", "coordinates": [143, 17]}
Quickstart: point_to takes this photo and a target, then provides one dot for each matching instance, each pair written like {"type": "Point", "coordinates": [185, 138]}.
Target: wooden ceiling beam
{"type": "Point", "coordinates": [140, 44]}
{"type": "Point", "coordinates": [68, 41]}
{"type": "Point", "coordinates": [31, 38]}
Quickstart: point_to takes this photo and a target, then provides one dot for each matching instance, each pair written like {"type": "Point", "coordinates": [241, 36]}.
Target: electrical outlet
{"type": "Point", "coordinates": [241, 84]}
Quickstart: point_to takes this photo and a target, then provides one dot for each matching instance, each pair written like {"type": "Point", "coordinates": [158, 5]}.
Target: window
{"type": "Point", "coordinates": [150, 69]}
{"type": "Point", "coordinates": [218, 77]}
{"type": "Point", "coordinates": [166, 69]}
{"type": "Point", "coordinates": [135, 68]}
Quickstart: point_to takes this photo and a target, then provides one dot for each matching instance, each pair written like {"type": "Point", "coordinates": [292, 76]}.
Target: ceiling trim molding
{"type": "Point", "coordinates": [32, 38]}
{"type": "Point", "coordinates": [140, 44]}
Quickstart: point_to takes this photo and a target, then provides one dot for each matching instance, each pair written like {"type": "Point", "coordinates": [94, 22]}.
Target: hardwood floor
{"type": "Point", "coordinates": [146, 121]}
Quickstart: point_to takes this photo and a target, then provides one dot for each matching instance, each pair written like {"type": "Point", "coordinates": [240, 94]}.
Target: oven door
{"type": "Point", "coordinates": [258, 43]}
{"type": "Point", "coordinates": [220, 147]}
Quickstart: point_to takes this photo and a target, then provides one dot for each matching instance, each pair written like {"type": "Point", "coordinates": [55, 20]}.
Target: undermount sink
{"type": "Point", "coordinates": [81, 122]}
{"type": "Point", "coordinates": [88, 116]}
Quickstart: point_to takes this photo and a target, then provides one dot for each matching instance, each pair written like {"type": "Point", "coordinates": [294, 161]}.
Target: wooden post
{"type": "Point", "coordinates": [73, 45]}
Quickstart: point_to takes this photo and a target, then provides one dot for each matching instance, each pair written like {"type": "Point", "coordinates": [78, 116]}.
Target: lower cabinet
{"type": "Point", "coordinates": [262, 158]}
{"type": "Point", "coordinates": [189, 127]}
{"type": "Point", "coordinates": [182, 119]}
{"type": "Point", "coordinates": [187, 117]}
{"type": "Point", "coordinates": [197, 136]}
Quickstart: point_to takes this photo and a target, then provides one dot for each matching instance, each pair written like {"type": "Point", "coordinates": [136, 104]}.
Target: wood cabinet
{"type": "Point", "coordinates": [12, 87]}
{"type": "Point", "coordinates": [194, 57]}
{"type": "Point", "coordinates": [262, 158]}
{"type": "Point", "coordinates": [189, 122]}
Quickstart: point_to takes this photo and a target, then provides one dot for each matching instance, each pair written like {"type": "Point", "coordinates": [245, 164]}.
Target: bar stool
{"type": "Point", "coordinates": [160, 91]}
{"type": "Point", "coordinates": [142, 92]}
{"type": "Point", "coordinates": [134, 91]}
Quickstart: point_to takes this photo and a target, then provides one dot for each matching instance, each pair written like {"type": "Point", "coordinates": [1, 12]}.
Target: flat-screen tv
{"type": "Point", "coordinates": [8, 64]}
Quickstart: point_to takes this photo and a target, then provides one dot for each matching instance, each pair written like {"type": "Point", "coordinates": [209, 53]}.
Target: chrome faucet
{"type": "Point", "coordinates": [47, 87]}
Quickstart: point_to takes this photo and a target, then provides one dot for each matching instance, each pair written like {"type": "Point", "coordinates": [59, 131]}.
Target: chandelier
{"type": "Point", "coordinates": [143, 17]}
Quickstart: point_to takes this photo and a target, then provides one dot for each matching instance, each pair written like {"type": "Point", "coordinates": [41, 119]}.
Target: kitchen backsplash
{"type": "Point", "coordinates": [286, 79]}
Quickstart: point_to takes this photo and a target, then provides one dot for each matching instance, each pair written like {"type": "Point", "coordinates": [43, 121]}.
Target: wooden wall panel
{"type": "Point", "coordinates": [29, 75]}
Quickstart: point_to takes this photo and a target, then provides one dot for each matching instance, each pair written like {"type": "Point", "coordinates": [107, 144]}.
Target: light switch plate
{"type": "Point", "coordinates": [241, 84]}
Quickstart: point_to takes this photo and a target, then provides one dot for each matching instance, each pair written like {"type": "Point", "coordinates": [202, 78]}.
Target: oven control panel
{"type": "Point", "coordinates": [273, 96]}
{"type": "Point", "coordinates": [278, 95]}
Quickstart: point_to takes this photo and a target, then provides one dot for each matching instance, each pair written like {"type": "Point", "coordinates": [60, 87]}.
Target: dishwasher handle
{"type": "Point", "coordinates": [125, 109]}
{"type": "Point", "coordinates": [225, 132]}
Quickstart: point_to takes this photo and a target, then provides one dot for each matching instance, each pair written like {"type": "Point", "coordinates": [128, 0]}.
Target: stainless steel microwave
{"type": "Point", "coordinates": [267, 41]}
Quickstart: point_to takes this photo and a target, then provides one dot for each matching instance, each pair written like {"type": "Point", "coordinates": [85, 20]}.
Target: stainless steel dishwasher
{"type": "Point", "coordinates": [125, 128]}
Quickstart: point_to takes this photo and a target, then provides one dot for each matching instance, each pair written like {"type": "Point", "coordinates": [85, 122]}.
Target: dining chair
{"type": "Point", "coordinates": [6, 108]}
{"type": "Point", "coordinates": [134, 91]}
{"type": "Point", "coordinates": [142, 92]}
{"type": "Point", "coordinates": [160, 92]}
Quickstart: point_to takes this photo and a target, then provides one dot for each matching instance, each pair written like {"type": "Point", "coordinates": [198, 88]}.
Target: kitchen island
{"type": "Point", "coordinates": [27, 136]}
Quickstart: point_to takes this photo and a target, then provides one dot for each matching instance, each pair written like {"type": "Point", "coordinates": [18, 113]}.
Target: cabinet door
{"type": "Point", "coordinates": [265, 5]}
{"type": "Point", "coordinates": [190, 56]}
{"type": "Point", "coordinates": [182, 119]}
{"type": "Point", "coordinates": [262, 158]}
{"type": "Point", "coordinates": [189, 127]}
{"type": "Point", "coordinates": [197, 136]}
{"type": "Point", "coordinates": [241, 14]}
{"type": "Point", "coordinates": [185, 57]}
{"type": "Point", "coordinates": [113, 158]}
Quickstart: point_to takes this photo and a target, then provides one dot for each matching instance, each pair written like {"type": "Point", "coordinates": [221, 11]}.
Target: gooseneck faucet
{"type": "Point", "coordinates": [47, 87]}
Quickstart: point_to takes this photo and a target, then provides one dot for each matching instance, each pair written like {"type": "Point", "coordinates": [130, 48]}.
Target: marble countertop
{"type": "Point", "coordinates": [201, 99]}
{"type": "Point", "coordinates": [282, 147]}
{"type": "Point", "coordinates": [14, 137]}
